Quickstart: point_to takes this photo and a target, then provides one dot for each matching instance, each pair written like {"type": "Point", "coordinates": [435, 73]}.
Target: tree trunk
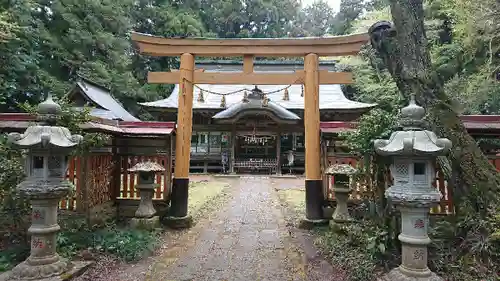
{"type": "Point", "coordinates": [403, 47]}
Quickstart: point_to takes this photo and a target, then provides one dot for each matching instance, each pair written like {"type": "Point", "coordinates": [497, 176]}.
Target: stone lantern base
{"type": "Point", "coordinates": [397, 275]}
{"type": "Point", "coordinates": [77, 268]}
{"type": "Point", "coordinates": [39, 269]}
{"type": "Point", "coordinates": [145, 223]}
{"type": "Point", "coordinates": [341, 214]}
{"type": "Point", "coordinates": [145, 216]}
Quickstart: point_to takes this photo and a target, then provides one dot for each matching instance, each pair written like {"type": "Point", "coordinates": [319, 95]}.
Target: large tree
{"type": "Point", "coordinates": [404, 49]}
{"type": "Point", "coordinates": [349, 11]}
{"type": "Point", "coordinates": [248, 18]}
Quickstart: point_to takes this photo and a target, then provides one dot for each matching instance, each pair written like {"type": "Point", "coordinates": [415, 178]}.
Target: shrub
{"type": "Point", "coordinates": [362, 250]}
{"type": "Point", "coordinates": [124, 243]}
{"type": "Point", "coordinates": [14, 208]}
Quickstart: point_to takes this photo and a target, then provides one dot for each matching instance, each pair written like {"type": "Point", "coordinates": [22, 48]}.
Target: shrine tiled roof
{"type": "Point", "coordinates": [330, 96]}
{"type": "Point", "coordinates": [105, 105]}
{"type": "Point", "coordinates": [255, 103]}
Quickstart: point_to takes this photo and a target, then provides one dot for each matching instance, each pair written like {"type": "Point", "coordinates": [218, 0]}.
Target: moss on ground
{"type": "Point", "coordinates": [203, 194]}
{"type": "Point", "coordinates": [294, 199]}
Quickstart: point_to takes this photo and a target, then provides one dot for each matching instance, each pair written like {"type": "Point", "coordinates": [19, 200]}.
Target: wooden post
{"type": "Point", "coordinates": [117, 171]}
{"type": "Point", "coordinates": [313, 184]}
{"type": "Point", "coordinates": [278, 153]}
{"type": "Point", "coordinates": [179, 202]}
{"type": "Point", "coordinates": [233, 148]}
{"type": "Point", "coordinates": [81, 196]}
{"type": "Point", "coordinates": [247, 64]}
{"type": "Point", "coordinates": [168, 180]}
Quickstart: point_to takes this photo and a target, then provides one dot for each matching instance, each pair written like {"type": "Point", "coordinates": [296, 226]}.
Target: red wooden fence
{"type": "Point", "coordinates": [129, 179]}
{"type": "Point", "coordinates": [97, 179]}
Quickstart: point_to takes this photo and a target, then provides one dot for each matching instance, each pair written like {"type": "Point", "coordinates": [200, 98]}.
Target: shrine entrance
{"type": "Point", "coordinates": [256, 154]}
{"type": "Point", "coordinates": [311, 78]}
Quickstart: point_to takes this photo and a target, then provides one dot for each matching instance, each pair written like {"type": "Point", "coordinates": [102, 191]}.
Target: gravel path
{"type": "Point", "coordinates": [247, 238]}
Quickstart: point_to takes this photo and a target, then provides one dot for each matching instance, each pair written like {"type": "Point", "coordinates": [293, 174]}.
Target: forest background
{"type": "Point", "coordinates": [47, 44]}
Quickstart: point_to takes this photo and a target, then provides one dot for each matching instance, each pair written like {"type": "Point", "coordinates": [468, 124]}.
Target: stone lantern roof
{"type": "Point", "coordinates": [341, 169]}
{"type": "Point", "coordinates": [45, 135]}
{"type": "Point", "coordinates": [413, 139]}
{"type": "Point", "coordinates": [147, 166]}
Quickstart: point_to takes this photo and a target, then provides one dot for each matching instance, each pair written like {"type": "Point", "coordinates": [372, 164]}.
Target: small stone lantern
{"type": "Point", "coordinates": [413, 151]}
{"type": "Point", "coordinates": [48, 149]}
{"type": "Point", "coordinates": [342, 174]}
{"type": "Point", "coordinates": [145, 215]}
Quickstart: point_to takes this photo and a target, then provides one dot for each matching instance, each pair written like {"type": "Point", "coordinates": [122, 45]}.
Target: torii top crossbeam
{"type": "Point", "coordinates": [249, 49]}
{"type": "Point", "coordinates": [272, 47]}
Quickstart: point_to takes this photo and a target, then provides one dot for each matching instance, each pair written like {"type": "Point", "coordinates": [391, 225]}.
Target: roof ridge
{"type": "Point", "coordinates": [262, 62]}
{"type": "Point", "coordinates": [87, 80]}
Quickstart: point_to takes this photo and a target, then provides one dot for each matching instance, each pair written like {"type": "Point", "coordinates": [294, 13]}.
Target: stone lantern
{"type": "Point", "coordinates": [413, 151]}
{"type": "Point", "coordinates": [48, 148]}
{"type": "Point", "coordinates": [342, 174]}
{"type": "Point", "coordinates": [145, 215]}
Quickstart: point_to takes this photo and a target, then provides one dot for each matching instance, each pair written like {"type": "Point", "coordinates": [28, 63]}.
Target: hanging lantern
{"type": "Point", "coordinates": [201, 98]}
{"type": "Point", "coordinates": [223, 102]}
{"type": "Point", "coordinates": [245, 96]}
{"type": "Point", "coordinates": [265, 101]}
{"type": "Point", "coordinates": [286, 95]}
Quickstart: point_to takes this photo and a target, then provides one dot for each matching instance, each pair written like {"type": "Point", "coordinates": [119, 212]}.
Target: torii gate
{"type": "Point", "coordinates": [311, 77]}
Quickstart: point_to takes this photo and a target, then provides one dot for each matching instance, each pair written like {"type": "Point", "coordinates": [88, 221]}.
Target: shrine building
{"type": "Point", "coordinates": [254, 128]}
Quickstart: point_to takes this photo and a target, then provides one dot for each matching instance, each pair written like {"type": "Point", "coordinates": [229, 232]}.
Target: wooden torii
{"type": "Point", "coordinates": [311, 77]}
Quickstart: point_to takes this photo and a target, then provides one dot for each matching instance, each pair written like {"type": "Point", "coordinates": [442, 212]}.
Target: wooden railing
{"type": "Point", "coordinates": [129, 179]}
{"type": "Point", "coordinates": [92, 177]}
{"type": "Point", "coordinates": [268, 165]}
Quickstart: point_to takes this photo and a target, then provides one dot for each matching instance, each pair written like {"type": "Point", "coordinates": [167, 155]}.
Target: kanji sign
{"type": "Point", "coordinates": [419, 223]}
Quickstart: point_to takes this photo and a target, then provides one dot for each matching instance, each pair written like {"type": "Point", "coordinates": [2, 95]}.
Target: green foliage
{"type": "Point", "coordinates": [464, 44]}
{"type": "Point", "coordinates": [374, 125]}
{"type": "Point", "coordinates": [462, 249]}
{"type": "Point", "coordinates": [7, 28]}
{"type": "Point", "coordinates": [350, 10]}
{"type": "Point", "coordinates": [249, 18]}
{"type": "Point", "coordinates": [14, 207]}
{"type": "Point", "coordinates": [124, 243]}
{"type": "Point", "coordinates": [360, 249]}
{"type": "Point", "coordinates": [73, 119]}
{"type": "Point", "coordinates": [12, 256]}
{"type": "Point", "coordinates": [313, 20]}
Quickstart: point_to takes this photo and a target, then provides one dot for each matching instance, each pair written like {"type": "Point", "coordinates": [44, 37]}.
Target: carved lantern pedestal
{"type": "Point", "coordinates": [413, 151]}
{"type": "Point", "coordinates": [48, 149]}
{"type": "Point", "coordinates": [145, 215]}
{"type": "Point", "coordinates": [342, 174]}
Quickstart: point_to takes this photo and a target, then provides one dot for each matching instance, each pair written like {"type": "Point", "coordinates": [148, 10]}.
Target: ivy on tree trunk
{"type": "Point", "coordinates": [404, 48]}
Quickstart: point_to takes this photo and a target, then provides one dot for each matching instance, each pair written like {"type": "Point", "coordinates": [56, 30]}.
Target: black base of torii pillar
{"type": "Point", "coordinates": [314, 187]}
{"type": "Point", "coordinates": [178, 213]}
{"type": "Point", "coordinates": [314, 205]}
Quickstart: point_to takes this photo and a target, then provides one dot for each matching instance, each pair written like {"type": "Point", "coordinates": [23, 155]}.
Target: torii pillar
{"type": "Point", "coordinates": [178, 214]}
{"type": "Point", "coordinates": [313, 184]}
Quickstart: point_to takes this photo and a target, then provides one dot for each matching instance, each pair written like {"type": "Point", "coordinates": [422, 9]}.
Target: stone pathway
{"type": "Point", "coordinates": [248, 240]}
